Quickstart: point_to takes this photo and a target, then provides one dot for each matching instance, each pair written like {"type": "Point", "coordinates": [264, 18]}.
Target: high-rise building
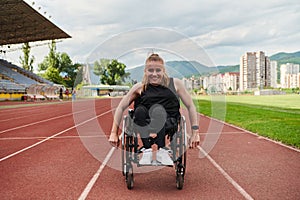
{"type": "Point", "coordinates": [289, 75]}
{"type": "Point", "coordinates": [255, 71]}
{"type": "Point", "coordinates": [273, 68]}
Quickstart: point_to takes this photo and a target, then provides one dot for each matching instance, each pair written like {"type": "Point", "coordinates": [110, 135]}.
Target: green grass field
{"type": "Point", "coordinates": [276, 116]}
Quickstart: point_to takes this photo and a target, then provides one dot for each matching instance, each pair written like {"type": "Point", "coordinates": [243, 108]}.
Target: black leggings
{"type": "Point", "coordinates": [152, 121]}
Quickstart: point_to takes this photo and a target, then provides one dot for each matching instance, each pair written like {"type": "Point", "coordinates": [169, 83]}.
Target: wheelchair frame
{"type": "Point", "coordinates": [130, 151]}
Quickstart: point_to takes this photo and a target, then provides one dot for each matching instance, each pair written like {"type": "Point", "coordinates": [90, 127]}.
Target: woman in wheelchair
{"type": "Point", "coordinates": [153, 131]}
{"type": "Point", "coordinates": [156, 107]}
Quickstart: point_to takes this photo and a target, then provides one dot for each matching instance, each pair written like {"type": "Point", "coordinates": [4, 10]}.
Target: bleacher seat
{"type": "Point", "coordinates": [20, 75]}
{"type": "Point", "coordinates": [8, 86]}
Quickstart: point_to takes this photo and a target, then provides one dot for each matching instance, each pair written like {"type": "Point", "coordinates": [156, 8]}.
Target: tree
{"type": "Point", "coordinates": [73, 75]}
{"type": "Point", "coordinates": [26, 61]}
{"type": "Point", "coordinates": [64, 62]}
{"type": "Point", "coordinates": [53, 75]}
{"type": "Point", "coordinates": [58, 67]}
{"type": "Point", "coordinates": [50, 65]}
{"type": "Point", "coordinates": [51, 60]}
{"type": "Point", "coordinates": [99, 67]}
{"type": "Point", "coordinates": [67, 69]}
{"type": "Point", "coordinates": [110, 72]}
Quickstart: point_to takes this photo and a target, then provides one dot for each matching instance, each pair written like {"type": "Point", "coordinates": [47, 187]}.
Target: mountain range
{"type": "Point", "coordinates": [180, 69]}
{"type": "Point", "coordinates": [283, 58]}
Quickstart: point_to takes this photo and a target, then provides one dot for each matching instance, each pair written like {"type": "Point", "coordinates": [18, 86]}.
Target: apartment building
{"type": "Point", "coordinates": [274, 73]}
{"type": "Point", "coordinates": [289, 75]}
{"type": "Point", "coordinates": [215, 83]}
{"type": "Point", "coordinates": [255, 71]}
{"type": "Point", "coordinates": [231, 81]}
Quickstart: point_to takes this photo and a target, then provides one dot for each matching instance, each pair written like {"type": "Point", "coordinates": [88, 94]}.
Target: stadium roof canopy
{"type": "Point", "coordinates": [20, 23]}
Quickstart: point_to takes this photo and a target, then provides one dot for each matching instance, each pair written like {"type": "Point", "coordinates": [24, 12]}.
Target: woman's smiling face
{"type": "Point", "coordinates": [154, 71]}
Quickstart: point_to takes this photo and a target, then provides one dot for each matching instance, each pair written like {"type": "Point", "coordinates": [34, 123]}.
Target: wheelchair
{"type": "Point", "coordinates": [131, 150]}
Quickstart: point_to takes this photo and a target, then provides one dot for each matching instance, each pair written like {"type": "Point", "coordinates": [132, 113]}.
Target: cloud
{"type": "Point", "coordinates": [224, 29]}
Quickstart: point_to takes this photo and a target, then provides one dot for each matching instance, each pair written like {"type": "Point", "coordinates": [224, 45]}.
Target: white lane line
{"type": "Point", "coordinates": [254, 134]}
{"type": "Point", "coordinates": [48, 138]}
{"type": "Point", "coordinates": [224, 173]}
{"type": "Point", "coordinates": [15, 118]}
{"type": "Point", "coordinates": [90, 185]}
{"type": "Point", "coordinates": [31, 146]}
{"type": "Point", "coordinates": [24, 111]}
{"type": "Point", "coordinates": [59, 137]}
{"type": "Point", "coordinates": [30, 124]}
{"type": "Point", "coordinates": [263, 137]}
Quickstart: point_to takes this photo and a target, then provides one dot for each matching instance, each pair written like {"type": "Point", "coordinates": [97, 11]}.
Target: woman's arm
{"type": "Point", "coordinates": [193, 116]}
{"type": "Point", "coordinates": [133, 93]}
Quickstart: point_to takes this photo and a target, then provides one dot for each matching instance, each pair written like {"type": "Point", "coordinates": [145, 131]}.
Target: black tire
{"type": "Point", "coordinates": [183, 163]}
{"type": "Point", "coordinates": [128, 159]}
{"type": "Point", "coordinates": [129, 179]}
{"type": "Point", "coordinates": [123, 160]}
{"type": "Point", "coordinates": [181, 159]}
{"type": "Point", "coordinates": [126, 138]}
{"type": "Point", "coordinates": [179, 181]}
{"type": "Point", "coordinates": [181, 145]}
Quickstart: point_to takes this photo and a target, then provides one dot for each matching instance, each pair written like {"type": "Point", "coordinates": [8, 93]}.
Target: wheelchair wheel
{"type": "Point", "coordinates": [124, 165]}
{"type": "Point", "coordinates": [127, 161]}
{"type": "Point", "coordinates": [129, 179]}
{"type": "Point", "coordinates": [126, 142]}
{"type": "Point", "coordinates": [180, 171]}
{"type": "Point", "coordinates": [129, 149]}
{"type": "Point", "coordinates": [181, 148]}
{"type": "Point", "coordinates": [179, 181]}
{"type": "Point", "coordinates": [127, 167]}
{"type": "Point", "coordinates": [123, 155]}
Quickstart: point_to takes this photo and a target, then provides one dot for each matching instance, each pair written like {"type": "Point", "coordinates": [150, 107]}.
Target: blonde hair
{"type": "Point", "coordinates": [165, 78]}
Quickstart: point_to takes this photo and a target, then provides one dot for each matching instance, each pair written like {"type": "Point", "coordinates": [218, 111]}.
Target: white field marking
{"type": "Point", "coordinates": [225, 133]}
{"type": "Point", "coordinates": [59, 137]}
{"type": "Point", "coordinates": [223, 172]}
{"type": "Point", "coordinates": [29, 110]}
{"type": "Point", "coordinates": [26, 125]}
{"type": "Point", "coordinates": [265, 138]}
{"type": "Point", "coordinates": [90, 185]}
{"type": "Point", "coordinates": [48, 138]}
{"type": "Point", "coordinates": [255, 134]}
{"type": "Point", "coordinates": [15, 118]}
{"type": "Point", "coordinates": [20, 117]}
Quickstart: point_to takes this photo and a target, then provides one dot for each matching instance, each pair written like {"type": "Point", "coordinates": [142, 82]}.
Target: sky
{"type": "Point", "coordinates": [214, 32]}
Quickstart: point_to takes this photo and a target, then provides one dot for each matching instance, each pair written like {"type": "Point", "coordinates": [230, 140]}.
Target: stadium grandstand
{"type": "Point", "coordinates": [20, 23]}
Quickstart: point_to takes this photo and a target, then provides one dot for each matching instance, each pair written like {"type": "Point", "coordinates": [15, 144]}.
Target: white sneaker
{"type": "Point", "coordinates": [163, 157]}
{"type": "Point", "coordinates": [146, 157]}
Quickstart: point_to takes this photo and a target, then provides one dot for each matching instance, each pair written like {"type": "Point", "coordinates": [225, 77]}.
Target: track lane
{"type": "Point", "coordinates": [245, 157]}
{"type": "Point", "coordinates": [59, 168]}
{"type": "Point", "coordinates": [13, 117]}
{"type": "Point", "coordinates": [18, 138]}
{"type": "Point", "coordinates": [265, 169]}
{"type": "Point", "coordinates": [202, 182]}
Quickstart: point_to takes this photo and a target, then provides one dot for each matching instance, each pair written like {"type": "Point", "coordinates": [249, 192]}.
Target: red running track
{"type": "Point", "coordinates": [60, 151]}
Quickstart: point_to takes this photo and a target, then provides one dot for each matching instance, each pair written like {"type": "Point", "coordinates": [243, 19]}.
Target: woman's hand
{"type": "Point", "coordinates": [194, 139]}
{"type": "Point", "coordinates": [114, 139]}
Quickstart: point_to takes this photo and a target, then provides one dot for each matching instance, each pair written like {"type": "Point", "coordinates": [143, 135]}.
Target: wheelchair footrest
{"type": "Point", "coordinates": [154, 163]}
